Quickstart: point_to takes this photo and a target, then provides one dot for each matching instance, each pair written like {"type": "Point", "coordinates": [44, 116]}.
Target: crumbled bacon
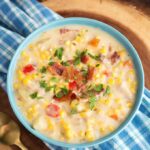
{"type": "Point", "coordinates": [114, 57]}
{"type": "Point", "coordinates": [63, 30]}
{"type": "Point", "coordinates": [90, 73]}
{"type": "Point", "coordinates": [56, 69]}
{"type": "Point", "coordinates": [69, 96]}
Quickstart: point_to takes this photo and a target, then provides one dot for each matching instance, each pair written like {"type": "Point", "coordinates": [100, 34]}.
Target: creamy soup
{"type": "Point", "coordinates": [75, 83]}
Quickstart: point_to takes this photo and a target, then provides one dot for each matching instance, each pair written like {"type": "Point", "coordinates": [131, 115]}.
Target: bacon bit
{"type": "Point", "coordinates": [106, 73]}
{"type": "Point", "coordinates": [56, 69]}
{"type": "Point", "coordinates": [128, 63]}
{"type": "Point", "coordinates": [73, 96]}
{"type": "Point", "coordinates": [110, 48]}
{"type": "Point", "coordinates": [72, 85]}
{"type": "Point", "coordinates": [114, 116]}
{"type": "Point", "coordinates": [63, 30]}
{"type": "Point", "coordinates": [114, 57]}
{"type": "Point", "coordinates": [84, 59]}
{"type": "Point", "coordinates": [28, 68]}
{"type": "Point", "coordinates": [94, 42]}
{"type": "Point", "coordinates": [73, 74]}
{"type": "Point", "coordinates": [90, 73]}
{"type": "Point", "coordinates": [68, 97]}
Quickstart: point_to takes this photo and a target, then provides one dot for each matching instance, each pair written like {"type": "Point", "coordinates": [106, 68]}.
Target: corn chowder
{"type": "Point", "coordinates": [75, 84]}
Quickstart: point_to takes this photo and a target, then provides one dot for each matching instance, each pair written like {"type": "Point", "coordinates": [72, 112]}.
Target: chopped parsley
{"type": "Point", "coordinates": [96, 57]}
{"type": "Point", "coordinates": [73, 111]}
{"type": "Point", "coordinates": [65, 63]}
{"type": "Point", "coordinates": [34, 95]}
{"type": "Point", "coordinates": [107, 91]}
{"type": "Point", "coordinates": [54, 79]}
{"type": "Point", "coordinates": [64, 91]}
{"type": "Point", "coordinates": [59, 52]}
{"type": "Point", "coordinates": [97, 65]}
{"type": "Point", "coordinates": [92, 102]}
{"type": "Point", "coordinates": [43, 69]}
{"type": "Point", "coordinates": [84, 72]}
{"type": "Point", "coordinates": [78, 56]}
{"type": "Point", "coordinates": [43, 84]}
{"type": "Point", "coordinates": [98, 88]}
{"type": "Point", "coordinates": [51, 63]}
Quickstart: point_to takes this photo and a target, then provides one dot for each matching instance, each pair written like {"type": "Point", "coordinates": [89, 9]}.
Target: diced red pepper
{"type": "Point", "coordinates": [84, 59]}
{"type": "Point", "coordinates": [28, 68]}
{"type": "Point", "coordinates": [53, 110]}
{"type": "Point", "coordinates": [72, 85]}
{"type": "Point", "coordinates": [114, 116]}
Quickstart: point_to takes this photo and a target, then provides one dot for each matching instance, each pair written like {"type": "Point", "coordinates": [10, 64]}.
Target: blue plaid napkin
{"type": "Point", "coordinates": [18, 18]}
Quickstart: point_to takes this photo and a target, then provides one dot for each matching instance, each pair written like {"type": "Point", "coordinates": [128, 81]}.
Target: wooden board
{"type": "Point", "coordinates": [131, 21]}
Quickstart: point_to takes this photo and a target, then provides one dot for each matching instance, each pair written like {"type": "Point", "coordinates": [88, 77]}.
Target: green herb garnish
{"type": "Point", "coordinates": [98, 88]}
{"type": "Point", "coordinates": [73, 111]}
{"type": "Point", "coordinates": [92, 102]}
{"type": "Point", "coordinates": [78, 56]}
{"type": "Point", "coordinates": [77, 61]}
{"type": "Point", "coordinates": [97, 65]}
{"type": "Point", "coordinates": [51, 63]}
{"type": "Point", "coordinates": [34, 95]}
{"type": "Point", "coordinates": [43, 84]}
{"type": "Point", "coordinates": [54, 79]}
{"type": "Point", "coordinates": [107, 91]}
{"type": "Point", "coordinates": [96, 57]}
{"type": "Point", "coordinates": [43, 69]}
{"type": "Point", "coordinates": [64, 91]}
{"type": "Point", "coordinates": [65, 63]}
{"type": "Point", "coordinates": [59, 52]}
{"type": "Point", "coordinates": [84, 72]}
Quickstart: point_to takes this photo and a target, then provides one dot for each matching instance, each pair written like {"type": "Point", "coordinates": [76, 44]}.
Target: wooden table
{"type": "Point", "coordinates": [132, 21]}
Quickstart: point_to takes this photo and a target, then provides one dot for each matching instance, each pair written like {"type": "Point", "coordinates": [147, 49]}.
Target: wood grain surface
{"type": "Point", "coordinates": [132, 18]}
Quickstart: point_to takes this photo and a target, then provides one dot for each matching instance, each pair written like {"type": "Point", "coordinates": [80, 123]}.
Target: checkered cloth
{"type": "Point", "coordinates": [18, 18]}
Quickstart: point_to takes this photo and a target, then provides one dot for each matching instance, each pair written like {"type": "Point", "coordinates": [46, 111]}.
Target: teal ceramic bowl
{"type": "Point", "coordinates": [80, 21]}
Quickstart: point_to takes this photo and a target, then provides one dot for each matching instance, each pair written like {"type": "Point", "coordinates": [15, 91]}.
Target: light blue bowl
{"type": "Point", "coordinates": [80, 21]}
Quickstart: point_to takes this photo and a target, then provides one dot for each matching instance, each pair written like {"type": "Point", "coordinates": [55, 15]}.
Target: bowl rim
{"type": "Point", "coordinates": [87, 22]}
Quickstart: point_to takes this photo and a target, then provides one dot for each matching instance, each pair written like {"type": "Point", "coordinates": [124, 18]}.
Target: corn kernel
{"type": "Point", "coordinates": [116, 111]}
{"type": "Point", "coordinates": [68, 134]}
{"type": "Point", "coordinates": [44, 55]}
{"type": "Point", "coordinates": [64, 124]}
{"type": "Point", "coordinates": [111, 128]}
{"type": "Point", "coordinates": [89, 136]}
{"type": "Point", "coordinates": [83, 114]}
{"type": "Point", "coordinates": [118, 80]}
{"type": "Point", "coordinates": [16, 85]}
{"type": "Point", "coordinates": [111, 81]}
{"type": "Point", "coordinates": [23, 53]}
{"type": "Point", "coordinates": [118, 100]}
{"type": "Point", "coordinates": [120, 107]}
{"type": "Point", "coordinates": [26, 80]}
{"type": "Point", "coordinates": [97, 76]}
{"type": "Point", "coordinates": [20, 75]}
{"type": "Point", "coordinates": [129, 104]}
{"type": "Point", "coordinates": [74, 103]}
{"type": "Point", "coordinates": [49, 123]}
{"type": "Point", "coordinates": [34, 76]}
{"type": "Point", "coordinates": [103, 50]}
{"type": "Point", "coordinates": [67, 43]}
{"type": "Point", "coordinates": [102, 129]}
{"type": "Point", "coordinates": [81, 134]}
{"type": "Point", "coordinates": [131, 72]}
{"type": "Point", "coordinates": [31, 46]}
{"type": "Point", "coordinates": [78, 38]}
{"type": "Point", "coordinates": [62, 113]}
{"type": "Point", "coordinates": [99, 111]}
{"type": "Point", "coordinates": [107, 101]}
{"type": "Point", "coordinates": [45, 103]}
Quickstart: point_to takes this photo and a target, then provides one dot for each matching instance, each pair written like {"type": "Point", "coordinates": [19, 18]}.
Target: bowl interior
{"type": "Point", "coordinates": [80, 21]}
